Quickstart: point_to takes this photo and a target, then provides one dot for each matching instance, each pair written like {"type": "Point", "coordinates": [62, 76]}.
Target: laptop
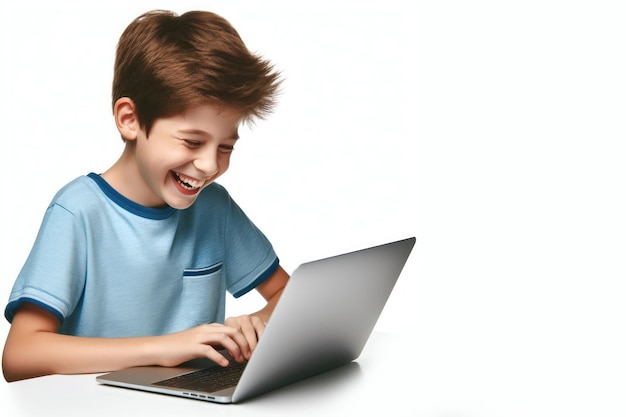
{"type": "Point", "coordinates": [323, 320]}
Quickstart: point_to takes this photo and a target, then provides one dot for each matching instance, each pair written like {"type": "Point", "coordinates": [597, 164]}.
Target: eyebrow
{"type": "Point", "coordinates": [199, 132]}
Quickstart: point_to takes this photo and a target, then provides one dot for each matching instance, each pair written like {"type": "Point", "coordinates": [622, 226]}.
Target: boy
{"type": "Point", "coordinates": [130, 267]}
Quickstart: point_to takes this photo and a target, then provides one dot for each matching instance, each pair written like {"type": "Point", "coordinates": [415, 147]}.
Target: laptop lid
{"type": "Point", "coordinates": [323, 320]}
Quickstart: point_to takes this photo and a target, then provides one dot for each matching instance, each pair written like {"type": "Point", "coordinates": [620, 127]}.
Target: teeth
{"type": "Point", "coordinates": [188, 182]}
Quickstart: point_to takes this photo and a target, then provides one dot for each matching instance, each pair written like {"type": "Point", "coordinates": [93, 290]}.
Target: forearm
{"type": "Point", "coordinates": [44, 353]}
{"type": "Point", "coordinates": [271, 290]}
{"type": "Point", "coordinates": [34, 348]}
{"type": "Point", "coordinates": [267, 310]}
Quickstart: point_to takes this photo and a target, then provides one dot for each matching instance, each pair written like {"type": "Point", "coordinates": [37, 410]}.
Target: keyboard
{"type": "Point", "coordinates": [208, 380]}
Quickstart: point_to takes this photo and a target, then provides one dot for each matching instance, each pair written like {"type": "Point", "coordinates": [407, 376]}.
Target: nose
{"type": "Point", "coordinates": [206, 162]}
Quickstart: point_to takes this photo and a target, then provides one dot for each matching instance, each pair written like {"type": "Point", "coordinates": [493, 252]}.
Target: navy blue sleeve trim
{"type": "Point", "coordinates": [9, 312]}
{"type": "Point", "coordinates": [265, 275]}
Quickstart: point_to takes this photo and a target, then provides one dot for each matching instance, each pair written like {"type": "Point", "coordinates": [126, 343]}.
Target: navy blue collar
{"type": "Point", "coordinates": [129, 205]}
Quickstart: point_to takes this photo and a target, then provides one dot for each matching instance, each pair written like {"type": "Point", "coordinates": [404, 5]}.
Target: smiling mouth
{"type": "Point", "coordinates": [187, 183]}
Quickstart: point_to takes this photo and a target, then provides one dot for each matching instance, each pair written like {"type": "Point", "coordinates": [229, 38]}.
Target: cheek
{"type": "Point", "coordinates": [224, 162]}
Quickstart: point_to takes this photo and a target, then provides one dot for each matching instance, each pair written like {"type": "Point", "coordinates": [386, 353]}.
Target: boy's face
{"type": "Point", "coordinates": [184, 154]}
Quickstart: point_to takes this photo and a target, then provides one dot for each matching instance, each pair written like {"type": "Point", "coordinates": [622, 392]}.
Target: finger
{"type": "Point", "coordinates": [215, 356]}
{"type": "Point", "coordinates": [252, 330]}
{"type": "Point", "coordinates": [249, 332]}
{"type": "Point", "coordinates": [242, 341]}
{"type": "Point", "coordinates": [259, 327]}
{"type": "Point", "coordinates": [245, 330]}
{"type": "Point", "coordinates": [228, 338]}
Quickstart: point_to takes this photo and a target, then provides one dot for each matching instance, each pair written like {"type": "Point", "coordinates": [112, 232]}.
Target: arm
{"type": "Point", "coordinates": [253, 325]}
{"type": "Point", "coordinates": [33, 348]}
{"type": "Point", "coordinates": [271, 289]}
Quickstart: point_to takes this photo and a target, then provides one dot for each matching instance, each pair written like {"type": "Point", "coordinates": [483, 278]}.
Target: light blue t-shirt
{"type": "Point", "coordinates": [108, 267]}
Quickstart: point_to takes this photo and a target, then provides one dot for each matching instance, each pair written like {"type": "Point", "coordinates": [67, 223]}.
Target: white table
{"type": "Point", "coordinates": [349, 390]}
{"type": "Point", "coordinates": [450, 382]}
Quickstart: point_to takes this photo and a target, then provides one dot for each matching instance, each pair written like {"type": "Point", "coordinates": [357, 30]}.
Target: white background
{"type": "Point", "coordinates": [492, 131]}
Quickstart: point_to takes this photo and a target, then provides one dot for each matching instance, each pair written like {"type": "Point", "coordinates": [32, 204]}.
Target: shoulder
{"type": "Point", "coordinates": [215, 189]}
{"type": "Point", "coordinates": [213, 195]}
{"type": "Point", "coordinates": [79, 194]}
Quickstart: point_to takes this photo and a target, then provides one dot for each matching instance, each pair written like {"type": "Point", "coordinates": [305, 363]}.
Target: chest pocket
{"type": "Point", "coordinates": [203, 295]}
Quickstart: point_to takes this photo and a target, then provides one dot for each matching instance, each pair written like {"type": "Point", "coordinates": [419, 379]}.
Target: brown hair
{"type": "Point", "coordinates": [168, 63]}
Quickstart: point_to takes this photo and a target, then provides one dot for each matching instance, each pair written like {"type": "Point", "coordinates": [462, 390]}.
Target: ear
{"type": "Point", "coordinates": [126, 118]}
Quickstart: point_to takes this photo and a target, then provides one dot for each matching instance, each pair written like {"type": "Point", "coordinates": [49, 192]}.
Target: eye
{"type": "Point", "coordinates": [192, 143]}
{"type": "Point", "coordinates": [226, 148]}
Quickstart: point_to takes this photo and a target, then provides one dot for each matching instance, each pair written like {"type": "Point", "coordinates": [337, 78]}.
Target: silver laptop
{"type": "Point", "coordinates": [323, 320]}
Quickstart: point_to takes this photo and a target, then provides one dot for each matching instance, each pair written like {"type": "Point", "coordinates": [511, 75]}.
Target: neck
{"type": "Point", "coordinates": [125, 178]}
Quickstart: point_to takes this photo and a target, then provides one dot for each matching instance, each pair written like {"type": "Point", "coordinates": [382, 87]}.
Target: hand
{"type": "Point", "coordinates": [201, 342]}
{"type": "Point", "coordinates": [250, 326]}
